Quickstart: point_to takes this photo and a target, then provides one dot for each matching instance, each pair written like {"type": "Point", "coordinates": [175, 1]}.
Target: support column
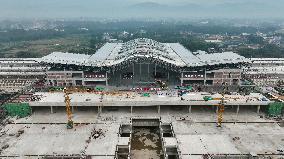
{"type": "Point", "coordinates": [99, 111]}
{"type": "Point", "coordinates": [168, 75]}
{"type": "Point", "coordinates": [159, 109]}
{"type": "Point", "coordinates": [133, 75]}
{"type": "Point", "coordinates": [120, 78]}
{"type": "Point", "coordinates": [148, 72]}
{"type": "Point", "coordinates": [258, 109]}
{"type": "Point", "coordinates": [131, 110]}
{"type": "Point", "coordinates": [51, 109]}
{"type": "Point", "coordinates": [205, 78]}
{"type": "Point", "coordinates": [217, 108]}
{"type": "Point", "coordinates": [140, 69]}
{"type": "Point", "coordinates": [189, 109]}
{"type": "Point", "coordinates": [106, 81]}
{"type": "Point", "coordinates": [181, 79]}
{"type": "Point", "coordinates": [238, 109]}
{"type": "Point", "coordinates": [155, 69]}
{"type": "Point", "coordinates": [72, 109]}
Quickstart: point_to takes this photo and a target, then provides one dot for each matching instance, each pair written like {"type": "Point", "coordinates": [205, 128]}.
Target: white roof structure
{"type": "Point", "coordinates": [267, 60]}
{"type": "Point", "coordinates": [65, 58]}
{"type": "Point", "coordinates": [220, 58]}
{"type": "Point", "coordinates": [112, 54]}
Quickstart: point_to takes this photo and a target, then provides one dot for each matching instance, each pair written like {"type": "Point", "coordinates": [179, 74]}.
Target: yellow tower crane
{"type": "Point", "coordinates": [70, 122]}
{"type": "Point", "coordinates": [221, 106]}
{"type": "Point", "coordinates": [221, 109]}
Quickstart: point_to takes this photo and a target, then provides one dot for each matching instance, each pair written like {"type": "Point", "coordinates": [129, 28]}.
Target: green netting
{"type": "Point", "coordinates": [18, 109]}
{"type": "Point", "coordinates": [56, 88]}
{"type": "Point", "coordinates": [275, 109]}
{"type": "Point", "coordinates": [99, 88]}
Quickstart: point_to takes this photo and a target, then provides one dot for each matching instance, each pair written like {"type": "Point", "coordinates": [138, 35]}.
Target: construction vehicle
{"type": "Point", "coordinates": [207, 98]}
{"type": "Point", "coordinates": [162, 84]}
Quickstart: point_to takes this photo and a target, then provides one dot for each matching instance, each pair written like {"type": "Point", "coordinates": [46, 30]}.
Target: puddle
{"type": "Point", "coordinates": [146, 143]}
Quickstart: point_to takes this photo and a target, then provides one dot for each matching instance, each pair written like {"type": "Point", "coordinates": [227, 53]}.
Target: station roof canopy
{"type": "Point", "coordinates": [112, 54]}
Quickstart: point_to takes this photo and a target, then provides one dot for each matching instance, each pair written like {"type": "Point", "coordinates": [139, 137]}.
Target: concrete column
{"type": "Point", "coordinates": [51, 109]}
{"type": "Point", "coordinates": [106, 81]}
{"type": "Point", "coordinates": [258, 109]}
{"type": "Point", "coordinates": [155, 69]}
{"type": "Point", "coordinates": [181, 79]}
{"type": "Point", "coordinates": [72, 109]}
{"type": "Point", "coordinates": [140, 69]}
{"type": "Point", "coordinates": [131, 110]}
{"type": "Point", "coordinates": [99, 110]}
{"type": "Point", "coordinates": [205, 77]}
{"type": "Point", "coordinates": [148, 72]}
{"type": "Point", "coordinates": [238, 109]}
{"type": "Point", "coordinates": [133, 75]}
{"type": "Point", "coordinates": [159, 109]}
{"type": "Point", "coordinates": [217, 108]}
{"type": "Point", "coordinates": [189, 109]}
{"type": "Point", "coordinates": [120, 78]}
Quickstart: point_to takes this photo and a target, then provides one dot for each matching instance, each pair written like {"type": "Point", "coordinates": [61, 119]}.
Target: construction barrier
{"type": "Point", "coordinates": [18, 109]}
{"type": "Point", "coordinates": [275, 109]}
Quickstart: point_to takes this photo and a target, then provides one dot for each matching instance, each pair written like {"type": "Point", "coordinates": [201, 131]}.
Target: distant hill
{"type": "Point", "coordinates": [235, 10]}
{"type": "Point", "coordinates": [148, 5]}
{"type": "Point", "coordinates": [132, 9]}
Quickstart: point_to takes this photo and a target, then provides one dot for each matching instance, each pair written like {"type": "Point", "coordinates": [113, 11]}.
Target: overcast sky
{"type": "Point", "coordinates": [123, 8]}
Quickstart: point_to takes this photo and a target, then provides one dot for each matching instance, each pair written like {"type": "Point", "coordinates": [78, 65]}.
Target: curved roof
{"type": "Point", "coordinates": [112, 54]}
{"type": "Point", "coordinates": [144, 47]}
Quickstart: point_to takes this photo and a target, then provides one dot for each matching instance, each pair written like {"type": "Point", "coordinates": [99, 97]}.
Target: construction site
{"type": "Point", "coordinates": [141, 100]}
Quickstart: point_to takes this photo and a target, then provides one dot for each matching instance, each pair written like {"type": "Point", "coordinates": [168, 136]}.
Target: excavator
{"type": "Point", "coordinates": [162, 84]}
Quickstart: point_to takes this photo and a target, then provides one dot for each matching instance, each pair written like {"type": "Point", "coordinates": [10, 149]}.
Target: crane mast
{"type": "Point", "coordinates": [70, 122]}
{"type": "Point", "coordinates": [221, 106]}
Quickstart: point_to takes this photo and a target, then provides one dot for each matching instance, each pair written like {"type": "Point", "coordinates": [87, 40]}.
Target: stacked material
{"type": "Point", "coordinates": [18, 109]}
{"type": "Point", "coordinates": [275, 109]}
